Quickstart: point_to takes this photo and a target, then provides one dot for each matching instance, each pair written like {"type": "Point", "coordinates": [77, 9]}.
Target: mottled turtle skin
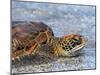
{"type": "Point", "coordinates": [28, 38]}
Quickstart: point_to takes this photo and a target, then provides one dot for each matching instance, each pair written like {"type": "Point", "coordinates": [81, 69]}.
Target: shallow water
{"type": "Point", "coordinates": [63, 19]}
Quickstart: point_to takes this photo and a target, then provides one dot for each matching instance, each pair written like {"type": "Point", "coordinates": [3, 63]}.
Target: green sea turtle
{"type": "Point", "coordinates": [29, 37]}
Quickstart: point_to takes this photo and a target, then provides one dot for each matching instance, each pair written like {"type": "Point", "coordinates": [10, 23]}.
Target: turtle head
{"type": "Point", "coordinates": [71, 45]}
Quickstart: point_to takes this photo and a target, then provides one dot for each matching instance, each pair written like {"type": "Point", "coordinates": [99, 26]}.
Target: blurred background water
{"type": "Point", "coordinates": [63, 19]}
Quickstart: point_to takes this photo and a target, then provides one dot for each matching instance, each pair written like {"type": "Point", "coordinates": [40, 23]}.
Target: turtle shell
{"type": "Point", "coordinates": [27, 37]}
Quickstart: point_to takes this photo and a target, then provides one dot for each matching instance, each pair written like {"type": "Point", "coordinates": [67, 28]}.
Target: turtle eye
{"type": "Point", "coordinates": [77, 41]}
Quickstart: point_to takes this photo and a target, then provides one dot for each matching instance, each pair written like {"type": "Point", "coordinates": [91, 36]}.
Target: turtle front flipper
{"type": "Point", "coordinates": [46, 51]}
{"type": "Point", "coordinates": [28, 50]}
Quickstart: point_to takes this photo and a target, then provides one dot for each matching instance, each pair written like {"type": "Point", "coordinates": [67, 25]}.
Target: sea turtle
{"type": "Point", "coordinates": [29, 37]}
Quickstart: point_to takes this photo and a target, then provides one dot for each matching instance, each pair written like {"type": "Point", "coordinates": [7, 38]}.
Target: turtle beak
{"type": "Point", "coordinates": [84, 39]}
